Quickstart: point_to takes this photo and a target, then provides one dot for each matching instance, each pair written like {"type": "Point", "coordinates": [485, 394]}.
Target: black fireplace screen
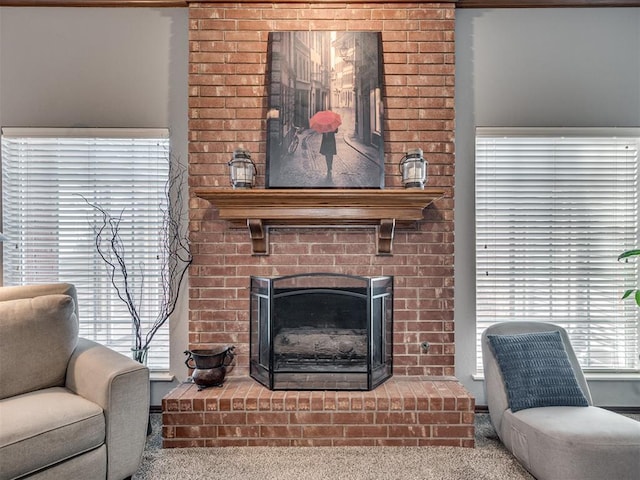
{"type": "Point", "coordinates": [321, 331]}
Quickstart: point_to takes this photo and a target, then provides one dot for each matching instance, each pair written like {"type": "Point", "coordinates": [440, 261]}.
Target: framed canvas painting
{"type": "Point", "coordinates": [325, 116]}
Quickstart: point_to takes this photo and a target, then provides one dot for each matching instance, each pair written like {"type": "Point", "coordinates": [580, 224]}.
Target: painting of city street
{"type": "Point", "coordinates": [325, 118]}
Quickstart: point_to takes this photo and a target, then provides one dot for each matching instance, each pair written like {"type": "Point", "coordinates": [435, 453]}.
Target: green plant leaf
{"type": "Point", "coordinates": [629, 253]}
{"type": "Point", "coordinates": [629, 292]}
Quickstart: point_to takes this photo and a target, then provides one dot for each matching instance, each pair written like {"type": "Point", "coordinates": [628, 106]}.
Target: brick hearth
{"type": "Point", "coordinates": [404, 411]}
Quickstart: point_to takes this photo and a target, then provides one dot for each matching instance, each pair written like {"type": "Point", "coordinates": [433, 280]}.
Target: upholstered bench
{"type": "Point", "coordinates": [541, 407]}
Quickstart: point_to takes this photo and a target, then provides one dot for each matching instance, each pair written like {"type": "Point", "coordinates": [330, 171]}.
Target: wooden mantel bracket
{"type": "Point", "coordinates": [259, 236]}
{"type": "Point", "coordinates": [385, 235]}
{"type": "Point", "coordinates": [260, 209]}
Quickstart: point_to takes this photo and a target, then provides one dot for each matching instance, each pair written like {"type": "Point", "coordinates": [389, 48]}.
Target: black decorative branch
{"type": "Point", "coordinates": [174, 256]}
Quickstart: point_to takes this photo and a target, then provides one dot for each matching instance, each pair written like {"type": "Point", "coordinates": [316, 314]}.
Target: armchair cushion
{"type": "Point", "coordinates": [39, 429]}
{"type": "Point", "coordinates": [574, 443]}
{"type": "Point", "coordinates": [35, 332]}
{"type": "Point", "coordinates": [536, 371]}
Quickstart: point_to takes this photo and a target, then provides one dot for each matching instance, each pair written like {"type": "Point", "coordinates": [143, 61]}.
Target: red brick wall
{"type": "Point", "coordinates": [227, 108]}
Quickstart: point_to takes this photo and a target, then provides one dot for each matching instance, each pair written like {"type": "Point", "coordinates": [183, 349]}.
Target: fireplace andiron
{"type": "Point", "coordinates": [209, 366]}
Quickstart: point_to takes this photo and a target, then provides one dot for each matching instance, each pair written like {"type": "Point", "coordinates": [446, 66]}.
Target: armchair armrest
{"type": "Point", "coordinates": [120, 385]}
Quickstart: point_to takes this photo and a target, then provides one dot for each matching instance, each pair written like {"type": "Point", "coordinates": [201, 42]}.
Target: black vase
{"type": "Point", "coordinates": [209, 366]}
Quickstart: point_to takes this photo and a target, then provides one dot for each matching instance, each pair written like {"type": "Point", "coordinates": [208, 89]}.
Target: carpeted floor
{"type": "Point", "coordinates": [488, 461]}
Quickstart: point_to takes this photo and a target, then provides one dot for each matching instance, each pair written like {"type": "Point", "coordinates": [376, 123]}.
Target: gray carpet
{"type": "Point", "coordinates": [488, 461]}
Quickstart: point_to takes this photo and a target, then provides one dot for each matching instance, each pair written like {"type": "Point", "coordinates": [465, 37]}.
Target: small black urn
{"type": "Point", "coordinates": [209, 366]}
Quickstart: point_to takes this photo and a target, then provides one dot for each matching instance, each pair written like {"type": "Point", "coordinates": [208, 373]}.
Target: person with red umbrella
{"type": "Point", "coordinates": [328, 149]}
{"type": "Point", "coordinates": [327, 122]}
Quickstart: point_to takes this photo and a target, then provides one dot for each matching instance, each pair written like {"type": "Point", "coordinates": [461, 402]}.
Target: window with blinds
{"type": "Point", "coordinates": [48, 176]}
{"type": "Point", "coordinates": [554, 209]}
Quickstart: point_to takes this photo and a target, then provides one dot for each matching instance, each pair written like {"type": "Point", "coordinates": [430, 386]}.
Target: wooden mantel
{"type": "Point", "coordinates": [259, 209]}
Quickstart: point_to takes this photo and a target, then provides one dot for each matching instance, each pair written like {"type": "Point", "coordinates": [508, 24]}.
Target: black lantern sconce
{"type": "Point", "coordinates": [413, 168]}
{"type": "Point", "coordinates": [242, 169]}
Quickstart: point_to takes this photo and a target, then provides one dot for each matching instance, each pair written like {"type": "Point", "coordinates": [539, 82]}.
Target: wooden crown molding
{"type": "Point", "coordinates": [311, 2]}
{"type": "Point", "coordinates": [180, 3]}
{"type": "Point", "coordinates": [459, 3]}
{"type": "Point", "coordinates": [94, 3]}
{"type": "Point", "coordinates": [545, 3]}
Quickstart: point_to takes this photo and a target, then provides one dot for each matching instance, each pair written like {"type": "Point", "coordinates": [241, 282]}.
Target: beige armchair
{"type": "Point", "coordinates": [69, 407]}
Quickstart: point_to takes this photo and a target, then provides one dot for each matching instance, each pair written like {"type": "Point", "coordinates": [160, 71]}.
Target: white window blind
{"type": "Point", "coordinates": [554, 209]}
{"type": "Point", "coordinates": [50, 227]}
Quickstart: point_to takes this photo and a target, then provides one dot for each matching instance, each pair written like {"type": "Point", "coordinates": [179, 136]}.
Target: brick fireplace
{"type": "Point", "coordinates": [422, 403]}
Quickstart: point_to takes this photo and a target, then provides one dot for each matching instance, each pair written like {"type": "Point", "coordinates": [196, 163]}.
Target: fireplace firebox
{"type": "Point", "coordinates": [321, 331]}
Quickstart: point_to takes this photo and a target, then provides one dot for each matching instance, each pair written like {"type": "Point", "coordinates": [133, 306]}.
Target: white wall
{"type": "Point", "coordinates": [99, 67]}
{"type": "Point", "coordinates": [526, 68]}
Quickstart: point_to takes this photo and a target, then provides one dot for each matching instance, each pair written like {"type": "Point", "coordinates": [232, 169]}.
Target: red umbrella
{"type": "Point", "coordinates": [325, 121]}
